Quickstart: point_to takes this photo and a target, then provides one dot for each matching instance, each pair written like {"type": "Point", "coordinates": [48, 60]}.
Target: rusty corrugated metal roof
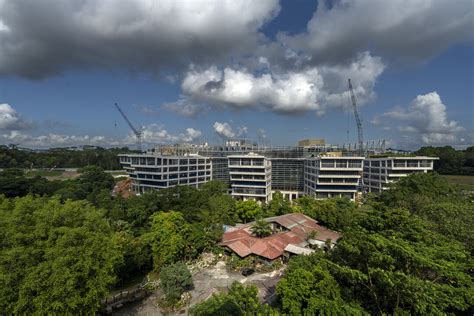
{"type": "Point", "coordinates": [297, 228]}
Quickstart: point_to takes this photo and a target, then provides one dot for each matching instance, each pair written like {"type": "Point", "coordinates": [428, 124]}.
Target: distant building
{"type": "Point", "coordinates": [292, 234]}
{"type": "Point", "coordinates": [312, 142]}
{"type": "Point", "coordinates": [380, 171]}
{"type": "Point", "coordinates": [250, 177]}
{"type": "Point", "coordinates": [333, 176]}
{"type": "Point", "coordinates": [149, 171]}
{"type": "Point", "coordinates": [320, 171]}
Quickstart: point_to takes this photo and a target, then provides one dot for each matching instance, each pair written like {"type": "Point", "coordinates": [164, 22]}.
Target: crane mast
{"type": "Point", "coordinates": [138, 133]}
{"type": "Point", "coordinates": [358, 121]}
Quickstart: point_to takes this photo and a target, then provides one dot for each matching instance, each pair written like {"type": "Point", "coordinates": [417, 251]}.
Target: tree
{"type": "Point", "coordinates": [241, 300]}
{"type": "Point", "coordinates": [55, 258]}
{"type": "Point", "coordinates": [334, 213]}
{"type": "Point", "coordinates": [175, 279]}
{"type": "Point", "coordinates": [278, 205]}
{"type": "Point", "coordinates": [168, 238]}
{"type": "Point", "coordinates": [247, 210]}
{"type": "Point", "coordinates": [261, 228]}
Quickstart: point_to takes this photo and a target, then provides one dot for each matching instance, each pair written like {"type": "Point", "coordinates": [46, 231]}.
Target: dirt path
{"type": "Point", "coordinates": [206, 282]}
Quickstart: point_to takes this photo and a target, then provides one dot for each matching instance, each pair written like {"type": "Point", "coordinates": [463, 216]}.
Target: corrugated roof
{"type": "Point", "coordinates": [298, 226]}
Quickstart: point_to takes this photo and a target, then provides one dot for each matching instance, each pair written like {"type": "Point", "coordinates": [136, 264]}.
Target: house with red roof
{"type": "Point", "coordinates": [292, 234]}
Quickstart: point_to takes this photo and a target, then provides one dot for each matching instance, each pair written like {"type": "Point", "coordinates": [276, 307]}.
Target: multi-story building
{"type": "Point", "coordinates": [333, 176]}
{"type": "Point", "coordinates": [250, 177]}
{"type": "Point", "coordinates": [151, 171]}
{"type": "Point", "coordinates": [380, 171]}
{"type": "Point", "coordinates": [293, 171]}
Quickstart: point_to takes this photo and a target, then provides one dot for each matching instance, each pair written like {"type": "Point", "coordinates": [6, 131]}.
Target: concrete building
{"type": "Point", "coordinates": [321, 171]}
{"type": "Point", "coordinates": [250, 177]}
{"type": "Point", "coordinates": [151, 171]}
{"type": "Point", "coordinates": [333, 176]}
{"type": "Point", "coordinates": [380, 171]}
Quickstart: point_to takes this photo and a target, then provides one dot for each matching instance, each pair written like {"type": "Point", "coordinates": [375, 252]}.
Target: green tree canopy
{"type": "Point", "coordinates": [240, 300]}
{"type": "Point", "coordinates": [168, 238]}
{"type": "Point", "coordinates": [174, 280]}
{"type": "Point", "coordinates": [247, 210]}
{"type": "Point", "coordinates": [261, 228]}
{"type": "Point", "coordinates": [55, 257]}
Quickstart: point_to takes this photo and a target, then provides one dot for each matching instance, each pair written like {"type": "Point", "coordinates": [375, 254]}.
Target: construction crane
{"type": "Point", "coordinates": [138, 132]}
{"type": "Point", "coordinates": [358, 121]}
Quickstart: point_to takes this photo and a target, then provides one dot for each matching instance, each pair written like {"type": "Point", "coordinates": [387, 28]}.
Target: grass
{"type": "Point", "coordinates": [464, 182]}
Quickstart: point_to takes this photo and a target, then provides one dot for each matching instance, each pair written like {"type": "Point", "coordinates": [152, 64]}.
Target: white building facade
{"type": "Point", "coordinates": [327, 177]}
{"type": "Point", "coordinates": [150, 171]}
{"type": "Point", "coordinates": [379, 172]}
{"type": "Point", "coordinates": [250, 177]}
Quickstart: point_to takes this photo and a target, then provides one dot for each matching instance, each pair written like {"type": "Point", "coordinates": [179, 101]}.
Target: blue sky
{"type": "Point", "coordinates": [274, 72]}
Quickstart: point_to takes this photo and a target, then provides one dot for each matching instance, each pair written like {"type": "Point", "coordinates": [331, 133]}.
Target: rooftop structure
{"type": "Point", "coordinates": [312, 142]}
{"type": "Point", "coordinates": [292, 233]}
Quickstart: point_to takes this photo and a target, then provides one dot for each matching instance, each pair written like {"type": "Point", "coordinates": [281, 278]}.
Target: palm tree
{"type": "Point", "coordinates": [261, 228]}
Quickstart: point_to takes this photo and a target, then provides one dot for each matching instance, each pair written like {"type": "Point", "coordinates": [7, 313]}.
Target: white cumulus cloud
{"type": "Point", "coordinates": [224, 130]}
{"type": "Point", "coordinates": [312, 89]}
{"type": "Point", "coordinates": [11, 120]}
{"type": "Point", "coordinates": [425, 118]}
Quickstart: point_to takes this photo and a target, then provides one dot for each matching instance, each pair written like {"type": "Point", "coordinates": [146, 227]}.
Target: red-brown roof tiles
{"type": "Point", "coordinates": [298, 226]}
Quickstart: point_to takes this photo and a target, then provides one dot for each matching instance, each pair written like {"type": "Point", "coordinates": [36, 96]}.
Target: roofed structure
{"type": "Point", "coordinates": [291, 230]}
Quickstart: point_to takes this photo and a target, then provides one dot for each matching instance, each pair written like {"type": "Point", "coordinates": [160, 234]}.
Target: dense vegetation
{"type": "Point", "coordinates": [451, 161]}
{"type": "Point", "coordinates": [408, 250]}
{"type": "Point", "coordinates": [12, 157]}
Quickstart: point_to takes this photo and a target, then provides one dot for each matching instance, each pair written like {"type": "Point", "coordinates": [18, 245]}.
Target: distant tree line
{"type": "Point", "coordinates": [106, 158]}
{"type": "Point", "coordinates": [451, 161]}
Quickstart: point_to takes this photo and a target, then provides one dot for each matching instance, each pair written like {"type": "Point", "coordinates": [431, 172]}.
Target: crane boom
{"type": "Point", "coordinates": [137, 132]}
{"type": "Point", "coordinates": [358, 121]}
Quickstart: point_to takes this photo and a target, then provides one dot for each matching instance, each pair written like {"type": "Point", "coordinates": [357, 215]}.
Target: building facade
{"type": "Point", "coordinates": [250, 177]}
{"type": "Point", "coordinates": [321, 171]}
{"type": "Point", "coordinates": [149, 171]}
{"type": "Point", "coordinates": [327, 177]}
{"type": "Point", "coordinates": [380, 172]}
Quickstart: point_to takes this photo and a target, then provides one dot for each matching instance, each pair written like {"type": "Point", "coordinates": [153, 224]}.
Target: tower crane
{"type": "Point", "coordinates": [358, 121]}
{"type": "Point", "coordinates": [138, 132]}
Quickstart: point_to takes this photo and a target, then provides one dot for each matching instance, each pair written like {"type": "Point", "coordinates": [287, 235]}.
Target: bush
{"type": "Point", "coordinates": [175, 279]}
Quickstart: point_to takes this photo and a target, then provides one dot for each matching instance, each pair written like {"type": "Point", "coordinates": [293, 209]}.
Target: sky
{"type": "Point", "coordinates": [270, 71]}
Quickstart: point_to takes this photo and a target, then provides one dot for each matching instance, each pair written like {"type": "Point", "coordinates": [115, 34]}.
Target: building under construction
{"type": "Point", "coordinates": [167, 166]}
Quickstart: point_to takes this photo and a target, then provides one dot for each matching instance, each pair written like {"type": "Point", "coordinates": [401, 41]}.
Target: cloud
{"type": "Point", "coordinates": [312, 89]}
{"type": "Point", "coordinates": [156, 134]}
{"type": "Point", "coordinates": [152, 134]}
{"type": "Point", "coordinates": [184, 107]}
{"type": "Point", "coordinates": [224, 130]}
{"type": "Point", "coordinates": [425, 119]}
{"type": "Point", "coordinates": [11, 120]}
{"type": "Point", "coordinates": [57, 140]}
{"type": "Point", "coordinates": [261, 133]}
{"type": "Point", "coordinates": [399, 29]}
{"type": "Point", "coordinates": [149, 110]}
{"type": "Point", "coordinates": [47, 37]}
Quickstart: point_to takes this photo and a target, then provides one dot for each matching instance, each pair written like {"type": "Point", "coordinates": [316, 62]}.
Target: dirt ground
{"type": "Point", "coordinates": [206, 282]}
